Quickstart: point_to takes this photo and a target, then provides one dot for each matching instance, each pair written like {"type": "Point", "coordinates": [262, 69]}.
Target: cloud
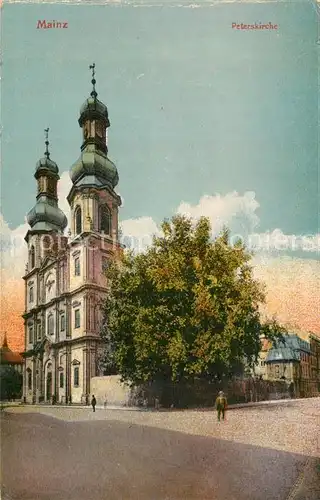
{"type": "Point", "coordinates": [236, 211]}
{"type": "Point", "coordinates": [233, 210]}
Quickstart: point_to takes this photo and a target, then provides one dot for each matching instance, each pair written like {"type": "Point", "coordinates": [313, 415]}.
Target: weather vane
{"type": "Point", "coordinates": [93, 81]}
{"type": "Point", "coordinates": [46, 130]}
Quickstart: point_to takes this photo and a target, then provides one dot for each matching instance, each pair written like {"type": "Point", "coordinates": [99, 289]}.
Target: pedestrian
{"type": "Point", "coordinates": [93, 402]}
{"type": "Point", "coordinates": [105, 402]}
{"type": "Point", "coordinates": [221, 405]}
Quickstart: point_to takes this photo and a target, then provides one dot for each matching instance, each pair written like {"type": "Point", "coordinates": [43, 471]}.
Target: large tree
{"type": "Point", "coordinates": [187, 307]}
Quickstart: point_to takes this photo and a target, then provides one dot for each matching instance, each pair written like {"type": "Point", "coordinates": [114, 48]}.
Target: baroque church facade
{"type": "Point", "coordinates": [64, 279]}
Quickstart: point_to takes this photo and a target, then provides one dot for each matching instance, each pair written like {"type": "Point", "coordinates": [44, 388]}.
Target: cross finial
{"type": "Point", "coordinates": [93, 81]}
{"type": "Point", "coordinates": [46, 131]}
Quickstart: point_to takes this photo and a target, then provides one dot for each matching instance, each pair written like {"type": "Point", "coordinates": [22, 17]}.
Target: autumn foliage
{"type": "Point", "coordinates": [188, 307]}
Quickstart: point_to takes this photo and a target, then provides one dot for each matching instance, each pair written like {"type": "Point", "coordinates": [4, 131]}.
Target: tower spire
{"type": "Point", "coordinates": [93, 81]}
{"type": "Point", "coordinates": [47, 153]}
{"type": "Point", "coordinates": [5, 341]}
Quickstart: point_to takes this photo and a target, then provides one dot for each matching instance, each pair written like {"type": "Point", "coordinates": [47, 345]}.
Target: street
{"type": "Point", "coordinates": [258, 453]}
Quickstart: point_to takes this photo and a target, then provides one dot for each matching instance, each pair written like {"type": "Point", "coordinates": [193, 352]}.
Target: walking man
{"type": "Point", "coordinates": [93, 403]}
{"type": "Point", "coordinates": [221, 405]}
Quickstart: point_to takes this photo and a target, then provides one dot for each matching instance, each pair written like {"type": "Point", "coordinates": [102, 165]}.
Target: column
{"type": "Point", "coordinates": [24, 382]}
{"type": "Point", "coordinates": [34, 375]}
{"type": "Point", "coordinates": [68, 373]}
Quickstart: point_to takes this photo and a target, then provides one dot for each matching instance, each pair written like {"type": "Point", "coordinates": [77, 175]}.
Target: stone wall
{"type": "Point", "coordinates": [201, 393]}
{"type": "Point", "coordinates": [111, 389]}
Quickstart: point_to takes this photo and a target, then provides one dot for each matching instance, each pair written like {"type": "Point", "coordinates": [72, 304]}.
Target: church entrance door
{"type": "Point", "coordinates": [49, 386]}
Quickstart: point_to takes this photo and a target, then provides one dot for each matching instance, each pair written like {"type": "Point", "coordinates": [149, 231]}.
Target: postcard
{"type": "Point", "coordinates": [160, 326]}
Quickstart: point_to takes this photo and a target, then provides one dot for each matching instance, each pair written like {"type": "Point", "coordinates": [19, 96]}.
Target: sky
{"type": "Point", "coordinates": [205, 120]}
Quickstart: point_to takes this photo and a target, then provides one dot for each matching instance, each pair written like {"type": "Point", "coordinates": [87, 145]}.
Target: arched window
{"type": "Point", "coordinates": [104, 219]}
{"type": "Point", "coordinates": [50, 324]}
{"type": "Point", "coordinates": [78, 220]}
{"type": "Point", "coordinates": [32, 257]}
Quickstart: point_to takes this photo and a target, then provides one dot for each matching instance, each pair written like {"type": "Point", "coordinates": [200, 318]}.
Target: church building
{"type": "Point", "coordinates": [64, 279]}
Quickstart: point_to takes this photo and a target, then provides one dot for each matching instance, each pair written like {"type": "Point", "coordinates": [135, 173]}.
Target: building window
{"type": "Point", "coordinates": [39, 331]}
{"type": "Point", "coordinates": [78, 220]}
{"type": "Point", "coordinates": [31, 295]}
{"type": "Point", "coordinates": [104, 219]}
{"type": "Point", "coordinates": [61, 380]}
{"type": "Point", "coordinates": [29, 379]}
{"type": "Point", "coordinates": [32, 257]}
{"type": "Point", "coordinates": [104, 264]}
{"type": "Point", "coordinates": [62, 322]}
{"type": "Point", "coordinates": [77, 266]}
{"type": "Point", "coordinates": [77, 318]}
{"type": "Point", "coordinates": [76, 376]}
{"type": "Point", "coordinates": [277, 369]}
{"type": "Point", "coordinates": [50, 324]}
{"type": "Point", "coordinates": [30, 334]}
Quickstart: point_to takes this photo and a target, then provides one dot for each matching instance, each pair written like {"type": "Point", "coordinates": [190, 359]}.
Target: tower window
{"type": "Point", "coordinates": [62, 322]}
{"type": "Point", "coordinates": [76, 376]}
{"type": "Point", "coordinates": [78, 220]}
{"type": "Point", "coordinates": [61, 380]}
{"type": "Point", "coordinates": [77, 318]}
{"type": "Point", "coordinates": [77, 266]}
{"type": "Point", "coordinates": [50, 324]}
{"type": "Point", "coordinates": [32, 257]}
{"type": "Point", "coordinates": [105, 219]}
{"type": "Point", "coordinates": [52, 186]}
{"type": "Point", "coordinates": [30, 334]}
{"type": "Point", "coordinates": [31, 294]}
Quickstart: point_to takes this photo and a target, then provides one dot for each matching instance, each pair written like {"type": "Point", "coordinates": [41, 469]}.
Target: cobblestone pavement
{"type": "Point", "coordinates": [258, 453]}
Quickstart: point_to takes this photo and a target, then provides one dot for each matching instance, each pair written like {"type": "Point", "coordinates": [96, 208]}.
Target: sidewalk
{"type": "Point", "coordinates": [141, 409]}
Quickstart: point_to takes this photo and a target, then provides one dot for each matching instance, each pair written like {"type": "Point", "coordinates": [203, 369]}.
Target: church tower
{"type": "Point", "coordinates": [94, 231]}
{"type": "Point", "coordinates": [45, 218]}
{"type": "Point", "coordinates": [65, 283]}
{"type": "Point", "coordinates": [93, 201]}
{"type": "Point", "coordinates": [44, 280]}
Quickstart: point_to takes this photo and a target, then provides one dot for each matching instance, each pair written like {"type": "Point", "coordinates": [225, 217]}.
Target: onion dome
{"type": "Point", "coordinates": [93, 108]}
{"type": "Point", "coordinates": [94, 168]}
{"type": "Point", "coordinates": [46, 164]}
{"type": "Point", "coordinates": [94, 163]}
{"type": "Point", "coordinates": [46, 215]}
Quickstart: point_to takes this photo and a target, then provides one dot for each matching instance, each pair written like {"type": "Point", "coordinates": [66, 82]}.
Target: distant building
{"type": "Point", "coordinates": [260, 368]}
{"type": "Point", "coordinates": [10, 358]}
{"type": "Point", "coordinates": [314, 365]}
{"type": "Point", "coordinates": [290, 361]}
{"type": "Point", "coordinates": [11, 364]}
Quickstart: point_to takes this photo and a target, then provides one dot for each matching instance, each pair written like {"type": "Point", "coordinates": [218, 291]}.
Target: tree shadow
{"type": "Point", "coordinates": [49, 459]}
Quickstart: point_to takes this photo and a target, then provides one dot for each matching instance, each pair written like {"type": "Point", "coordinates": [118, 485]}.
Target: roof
{"type": "Point", "coordinates": [8, 357]}
{"type": "Point", "coordinates": [289, 350]}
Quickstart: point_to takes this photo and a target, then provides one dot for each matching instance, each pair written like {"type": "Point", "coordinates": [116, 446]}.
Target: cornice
{"type": "Point", "coordinates": [65, 295]}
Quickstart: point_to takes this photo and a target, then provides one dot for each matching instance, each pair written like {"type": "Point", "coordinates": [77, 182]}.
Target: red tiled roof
{"type": "Point", "coordinates": [11, 358]}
